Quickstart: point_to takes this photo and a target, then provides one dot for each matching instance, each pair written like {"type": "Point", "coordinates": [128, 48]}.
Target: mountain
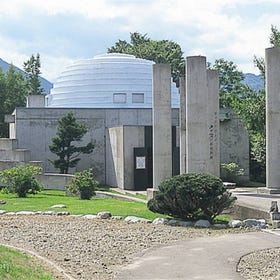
{"type": "Point", "coordinates": [45, 84]}
{"type": "Point", "coordinates": [255, 82]}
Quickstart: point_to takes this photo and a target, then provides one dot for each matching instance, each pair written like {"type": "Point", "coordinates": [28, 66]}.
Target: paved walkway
{"type": "Point", "coordinates": [202, 258]}
{"type": "Point", "coordinates": [206, 258]}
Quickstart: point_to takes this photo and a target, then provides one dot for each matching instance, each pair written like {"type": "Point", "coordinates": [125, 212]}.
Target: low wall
{"type": "Point", "coordinates": [54, 181]}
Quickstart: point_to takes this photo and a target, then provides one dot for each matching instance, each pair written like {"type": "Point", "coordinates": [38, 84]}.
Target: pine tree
{"type": "Point", "coordinates": [69, 130]}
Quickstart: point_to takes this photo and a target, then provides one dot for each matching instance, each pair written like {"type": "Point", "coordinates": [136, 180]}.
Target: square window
{"type": "Point", "coordinates": [119, 98]}
{"type": "Point", "coordinates": [137, 97]}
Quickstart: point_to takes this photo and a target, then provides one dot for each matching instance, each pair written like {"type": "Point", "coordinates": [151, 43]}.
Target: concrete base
{"type": "Point", "coordinates": [151, 193]}
{"type": "Point", "coordinates": [268, 191]}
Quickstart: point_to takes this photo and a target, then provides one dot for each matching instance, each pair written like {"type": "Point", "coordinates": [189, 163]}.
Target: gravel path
{"type": "Point", "coordinates": [261, 265]}
{"type": "Point", "coordinates": [90, 249]}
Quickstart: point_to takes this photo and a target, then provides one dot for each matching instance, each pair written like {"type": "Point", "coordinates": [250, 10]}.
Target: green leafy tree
{"type": "Point", "coordinates": [32, 69]}
{"type": "Point", "coordinates": [274, 40]}
{"type": "Point", "coordinates": [21, 179]}
{"type": "Point", "coordinates": [69, 130]}
{"type": "Point", "coordinates": [13, 94]}
{"type": "Point", "coordinates": [163, 51]}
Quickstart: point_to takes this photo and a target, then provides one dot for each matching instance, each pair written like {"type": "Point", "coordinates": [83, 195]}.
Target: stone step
{"type": "Point", "coordinates": [8, 144]}
{"type": "Point", "coordinates": [15, 155]}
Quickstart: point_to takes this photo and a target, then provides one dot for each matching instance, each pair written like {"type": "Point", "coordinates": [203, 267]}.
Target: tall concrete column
{"type": "Point", "coordinates": [272, 58]}
{"type": "Point", "coordinates": [162, 135]}
{"type": "Point", "coordinates": [197, 140]}
{"type": "Point", "coordinates": [182, 121]}
{"type": "Point", "coordinates": [214, 123]}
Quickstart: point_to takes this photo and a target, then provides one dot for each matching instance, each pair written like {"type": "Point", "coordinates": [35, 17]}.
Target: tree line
{"type": "Point", "coordinates": [15, 86]}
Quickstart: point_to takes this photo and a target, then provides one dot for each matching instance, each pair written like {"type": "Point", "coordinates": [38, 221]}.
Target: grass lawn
{"type": "Point", "coordinates": [45, 199]}
{"type": "Point", "coordinates": [15, 265]}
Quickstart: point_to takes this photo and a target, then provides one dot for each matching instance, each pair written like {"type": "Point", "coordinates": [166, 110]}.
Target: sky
{"type": "Point", "coordinates": [63, 31]}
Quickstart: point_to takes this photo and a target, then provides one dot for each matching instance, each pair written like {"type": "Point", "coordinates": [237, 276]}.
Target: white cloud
{"type": "Point", "coordinates": [217, 28]}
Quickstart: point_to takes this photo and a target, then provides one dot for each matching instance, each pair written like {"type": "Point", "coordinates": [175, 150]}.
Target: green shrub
{"type": "Point", "coordinates": [231, 171]}
{"type": "Point", "coordinates": [83, 184]}
{"type": "Point", "coordinates": [191, 196]}
{"type": "Point", "coordinates": [21, 180]}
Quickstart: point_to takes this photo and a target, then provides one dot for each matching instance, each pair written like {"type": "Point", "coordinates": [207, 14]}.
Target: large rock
{"type": "Point", "coordinates": [254, 223]}
{"type": "Point", "coordinates": [133, 219]}
{"type": "Point", "coordinates": [104, 215]}
{"type": "Point", "coordinates": [89, 216]}
{"type": "Point", "coordinates": [202, 224]}
{"type": "Point", "coordinates": [160, 221]}
{"type": "Point", "coordinates": [235, 224]}
{"type": "Point", "coordinates": [25, 213]}
{"type": "Point", "coordinates": [58, 206]}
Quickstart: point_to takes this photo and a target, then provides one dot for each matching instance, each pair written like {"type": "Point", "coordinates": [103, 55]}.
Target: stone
{"type": "Point", "coordinates": [261, 223]}
{"type": "Point", "coordinates": [185, 223]}
{"type": "Point", "coordinates": [51, 213]}
{"type": "Point", "coordinates": [219, 226]}
{"type": "Point", "coordinates": [2, 212]}
{"type": "Point", "coordinates": [25, 213]}
{"type": "Point", "coordinates": [133, 219]}
{"type": "Point", "coordinates": [10, 213]}
{"type": "Point", "coordinates": [160, 221]}
{"type": "Point", "coordinates": [235, 224]}
{"type": "Point", "coordinates": [202, 224]}
{"type": "Point", "coordinates": [229, 185]}
{"type": "Point", "coordinates": [250, 223]}
{"type": "Point", "coordinates": [62, 213]}
{"type": "Point", "coordinates": [173, 222]}
{"type": "Point", "coordinates": [3, 202]}
{"type": "Point", "coordinates": [59, 206]}
{"type": "Point", "coordinates": [104, 215]}
{"type": "Point", "coordinates": [116, 217]}
{"type": "Point", "coordinates": [89, 216]}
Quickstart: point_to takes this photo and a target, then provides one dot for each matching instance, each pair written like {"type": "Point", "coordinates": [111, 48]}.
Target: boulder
{"type": "Point", "coordinates": [89, 216]}
{"type": "Point", "coordinates": [25, 213]}
{"type": "Point", "coordinates": [235, 224]}
{"type": "Point", "coordinates": [2, 212]}
{"type": "Point", "coordinates": [202, 224]}
{"type": "Point", "coordinates": [160, 221]}
{"type": "Point", "coordinates": [59, 206]}
{"type": "Point", "coordinates": [133, 219]}
{"type": "Point", "coordinates": [104, 215]}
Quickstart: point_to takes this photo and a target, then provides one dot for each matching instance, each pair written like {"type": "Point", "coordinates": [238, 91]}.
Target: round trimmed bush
{"type": "Point", "coordinates": [191, 196]}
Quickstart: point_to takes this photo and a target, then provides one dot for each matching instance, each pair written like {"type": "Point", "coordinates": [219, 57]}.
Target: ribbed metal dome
{"type": "Point", "coordinates": [106, 81]}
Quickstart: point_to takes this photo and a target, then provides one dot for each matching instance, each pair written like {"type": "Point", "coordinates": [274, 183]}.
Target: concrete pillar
{"type": "Point", "coordinates": [272, 58]}
{"type": "Point", "coordinates": [162, 134]}
{"type": "Point", "coordinates": [197, 140]}
{"type": "Point", "coordinates": [214, 123]}
{"type": "Point", "coordinates": [182, 120]}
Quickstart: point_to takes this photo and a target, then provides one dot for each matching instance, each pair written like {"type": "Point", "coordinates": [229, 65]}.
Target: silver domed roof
{"type": "Point", "coordinates": [111, 80]}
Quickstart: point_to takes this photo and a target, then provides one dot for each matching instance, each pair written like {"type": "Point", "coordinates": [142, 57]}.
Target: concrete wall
{"type": "Point", "coordinates": [120, 155]}
{"type": "Point", "coordinates": [234, 143]}
{"type": "Point", "coordinates": [34, 128]}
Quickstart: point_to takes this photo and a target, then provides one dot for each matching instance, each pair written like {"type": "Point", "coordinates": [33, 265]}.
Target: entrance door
{"type": "Point", "coordinates": [142, 166]}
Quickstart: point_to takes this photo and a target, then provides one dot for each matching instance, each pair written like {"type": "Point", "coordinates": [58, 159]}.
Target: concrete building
{"type": "Point", "coordinates": [120, 124]}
